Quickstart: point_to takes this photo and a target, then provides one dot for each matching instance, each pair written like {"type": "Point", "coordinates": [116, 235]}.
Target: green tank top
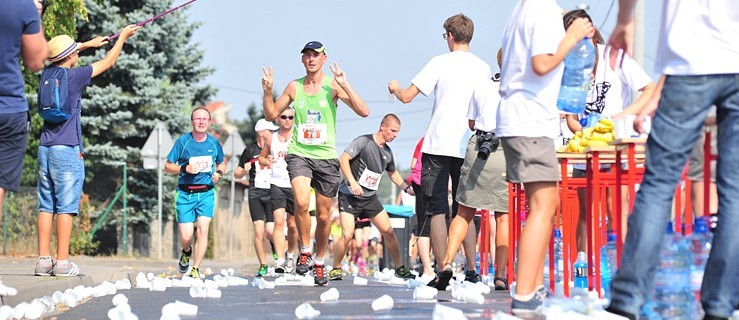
{"type": "Point", "coordinates": [314, 133]}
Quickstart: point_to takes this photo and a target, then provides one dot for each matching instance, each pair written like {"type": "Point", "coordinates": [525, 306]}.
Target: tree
{"type": "Point", "coordinates": [156, 79]}
{"type": "Point", "coordinates": [246, 125]}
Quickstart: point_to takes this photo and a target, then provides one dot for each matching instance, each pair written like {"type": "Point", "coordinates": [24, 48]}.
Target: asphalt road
{"type": "Point", "coordinates": [247, 302]}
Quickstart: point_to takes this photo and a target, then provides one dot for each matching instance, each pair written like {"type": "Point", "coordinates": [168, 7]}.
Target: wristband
{"type": "Point", "coordinates": [406, 188]}
{"type": "Point", "coordinates": [219, 172]}
{"type": "Point", "coordinates": [183, 168]}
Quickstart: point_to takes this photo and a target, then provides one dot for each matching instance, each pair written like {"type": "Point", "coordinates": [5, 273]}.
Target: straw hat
{"type": "Point", "coordinates": [61, 47]}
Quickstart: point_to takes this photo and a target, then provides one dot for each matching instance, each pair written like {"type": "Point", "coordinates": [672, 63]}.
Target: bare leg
{"type": "Point", "coordinates": [63, 233]}
{"type": "Point", "coordinates": [202, 240]}
{"type": "Point", "coordinates": [469, 244]}
{"type": "Point", "coordinates": [258, 240]}
{"type": "Point", "coordinates": [45, 221]}
{"type": "Point", "coordinates": [347, 232]}
{"type": "Point", "coordinates": [186, 231]}
{"type": "Point", "coordinates": [458, 233]}
{"type": "Point", "coordinates": [382, 223]}
{"type": "Point", "coordinates": [543, 198]}
{"type": "Point", "coordinates": [323, 223]}
{"type": "Point", "coordinates": [278, 237]}
{"type": "Point", "coordinates": [424, 252]}
{"type": "Point", "coordinates": [301, 189]}
{"type": "Point", "coordinates": [292, 234]}
{"type": "Point", "coordinates": [501, 243]}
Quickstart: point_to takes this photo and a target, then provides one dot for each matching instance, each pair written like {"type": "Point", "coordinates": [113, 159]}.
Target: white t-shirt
{"type": "Point", "coordinates": [484, 105]}
{"type": "Point", "coordinates": [528, 106]}
{"type": "Point", "coordinates": [451, 77]}
{"type": "Point", "coordinates": [623, 81]}
{"type": "Point", "coordinates": [699, 37]}
{"type": "Point", "coordinates": [278, 150]}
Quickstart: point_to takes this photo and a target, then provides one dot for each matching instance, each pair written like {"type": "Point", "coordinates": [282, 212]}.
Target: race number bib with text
{"type": "Point", "coordinates": [312, 133]}
{"type": "Point", "coordinates": [369, 179]}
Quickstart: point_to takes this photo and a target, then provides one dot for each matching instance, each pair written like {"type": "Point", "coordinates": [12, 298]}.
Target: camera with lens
{"type": "Point", "coordinates": [486, 143]}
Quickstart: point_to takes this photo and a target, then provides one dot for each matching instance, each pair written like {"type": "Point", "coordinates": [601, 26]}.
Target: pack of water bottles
{"type": "Point", "coordinates": [673, 297]}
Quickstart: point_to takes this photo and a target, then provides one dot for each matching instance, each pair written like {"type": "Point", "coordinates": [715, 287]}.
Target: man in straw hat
{"type": "Point", "coordinates": [60, 182]}
{"type": "Point", "coordinates": [21, 36]}
{"type": "Point", "coordinates": [311, 157]}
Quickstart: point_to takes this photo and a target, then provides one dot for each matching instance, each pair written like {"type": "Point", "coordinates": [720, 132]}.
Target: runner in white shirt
{"type": "Point", "coordinates": [283, 200]}
{"type": "Point", "coordinates": [451, 77]}
{"type": "Point", "coordinates": [534, 45]}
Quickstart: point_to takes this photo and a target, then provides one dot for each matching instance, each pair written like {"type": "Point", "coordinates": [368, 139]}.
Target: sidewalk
{"type": "Point", "coordinates": [18, 273]}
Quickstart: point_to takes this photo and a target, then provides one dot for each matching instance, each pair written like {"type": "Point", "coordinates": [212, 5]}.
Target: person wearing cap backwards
{"type": "Point", "coordinates": [312, 158]}
{"type": "Point", "coordinates": [197, 158]}
{"type": "Point", "coordinates": [260, 178]}
{"type": "Point", "coordinates": [61, 167]}
{"type": "Point", "coordinates": [273, 154]}
{"type": "Point", "coordinates": [21, 36]}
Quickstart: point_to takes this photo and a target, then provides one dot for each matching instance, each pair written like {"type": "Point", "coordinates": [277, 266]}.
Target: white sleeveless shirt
{"type": "Point", "coordinates": [278, 150]}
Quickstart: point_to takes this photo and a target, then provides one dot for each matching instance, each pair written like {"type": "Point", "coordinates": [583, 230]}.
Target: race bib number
{"type": "Point", "coordinates": [369, 179]}
{"type": "Point", "coordinates": [312, 133]}
{"type": "Point", "coordinates": [202, 163]}
{"type": "Point", "coordinates": [262, 177]}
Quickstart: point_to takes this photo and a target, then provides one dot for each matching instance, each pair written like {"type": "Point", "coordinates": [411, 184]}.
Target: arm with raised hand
{"type": "Point", "coordinates": [109, 60]}
{"type": "Point", "coordinates": [345, 92]}
{"type": "Point", "coordinates": [622, 36]}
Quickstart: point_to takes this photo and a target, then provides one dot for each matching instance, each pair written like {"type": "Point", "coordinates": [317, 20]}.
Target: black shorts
{"type": "Point", "coordinates": [324, 173]}
{"type": "Point", "coordinates": [13, 143]}
{"type": "Point", "coordinates": [260, 205]}
{"type": "Point", "coordinates": [424, 221]}
{"type": "Point", "coordinates": [282, 198]}
{"type": "Point", "coordinates": [363, 221]}
{"type": "Point", "coordinates": [357, 206]}
{"type": "Point", "coordinates": [435, 174]}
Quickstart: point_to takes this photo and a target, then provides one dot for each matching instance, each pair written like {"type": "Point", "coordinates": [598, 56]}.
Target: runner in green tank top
{"type": "Point", "coordinates": [312, 160]}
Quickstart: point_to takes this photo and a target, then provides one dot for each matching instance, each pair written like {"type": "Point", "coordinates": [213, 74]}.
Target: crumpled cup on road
{"type": "Point", "coordinates": [306, 311]}
{"type": "Point", "coordinates": [6, 312]}
{"type": "Point", "coordinates": [385, 302]}
{"type": "Point", "coordinates": [442, 312]}
{"type": "Point", "coordinates": [331, 295]}
{"type": "Point", "coordinates": [425, 293]}
{"type": "Point", "coordinates": [359, 281]}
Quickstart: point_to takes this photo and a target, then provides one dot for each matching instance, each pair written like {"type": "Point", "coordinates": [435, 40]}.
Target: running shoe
{"type": "Point", "coordinates": [304, 263]}
{"type": "Point", "coordinates": [319, 277]}
{"type": "Point", "coordinates": [289, 265]}
{"type": "Point", "coordinates": [532, 307]}
{"type": "Point", "coordinates": [403, 273]}
{"type": "Point", "coordinates": [44, 266]}
{"type": "Point", "coordinates": [69, 269]}
{"type": "Point", "coordinates": [194, 273]}
{"type": "Point", "coordinates": [335, 274]}
{"type": "Point", "coordinates": [262, 270]}
{"type": "Point", "coordinates": [185, 260]}
{"type": "Point", "coordinates": [472, 276]}
{"type": "Point", "coordinates": [280, 266]}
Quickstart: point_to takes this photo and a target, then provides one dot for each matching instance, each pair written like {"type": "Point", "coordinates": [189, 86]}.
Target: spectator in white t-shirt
{"type": "Point", "coordinates": [534, 45]}
{"type": "Point", "coordinates": [610, 95]}
{"type": "Point", "coordinates": [451, 78]}
{"type": "Point", "coordinates": [697, 55]}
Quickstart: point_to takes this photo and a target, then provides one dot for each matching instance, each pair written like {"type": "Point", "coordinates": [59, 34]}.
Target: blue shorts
{"type": "Point", "coordinates": [190, 206]}
{"type": "Point", "coordinates": [61, 173]}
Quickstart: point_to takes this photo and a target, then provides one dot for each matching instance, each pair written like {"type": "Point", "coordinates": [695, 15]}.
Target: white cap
{"type": "Point", "coordinates": [265, 125]}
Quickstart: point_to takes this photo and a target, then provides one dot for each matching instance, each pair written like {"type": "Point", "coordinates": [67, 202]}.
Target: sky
{"type": "Point", "coordinates": [372, 41]}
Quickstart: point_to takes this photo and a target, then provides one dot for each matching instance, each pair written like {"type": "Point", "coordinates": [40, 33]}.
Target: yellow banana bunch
{"type": "Point", "coordinates": [599, 135]}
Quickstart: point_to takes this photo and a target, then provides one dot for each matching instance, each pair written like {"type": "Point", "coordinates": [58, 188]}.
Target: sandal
{"type": "Point", "coordinates": [503, 287]}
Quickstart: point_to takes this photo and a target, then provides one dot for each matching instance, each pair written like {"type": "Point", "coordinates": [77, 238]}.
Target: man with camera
{"type": "Point", "coordinates": [482, 182]}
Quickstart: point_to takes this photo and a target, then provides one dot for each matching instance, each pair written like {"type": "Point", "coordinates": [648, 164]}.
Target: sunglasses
{"type": "Point", "coordinates": [287, 117]}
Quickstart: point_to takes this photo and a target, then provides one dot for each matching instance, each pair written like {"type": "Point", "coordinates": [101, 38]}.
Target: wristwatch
{"type": "Point", "coordinates": [406, 188]}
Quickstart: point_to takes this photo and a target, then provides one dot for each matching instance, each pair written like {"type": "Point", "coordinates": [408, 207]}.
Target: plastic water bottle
{"type": "Point", "coordinates": [580, 275]}
{"type": "Point", "coordinates": [477, 263]}
{"type": "Point", "coordinates": [558, 261]}
{"type": "Point", "coordinates": [607, 263]}
{"type": "Point", "coordinates": [579, 63]}
{"type": "Point", "coordinates": [673, 298]}
{"type": "Point", "coordinates": [700, 245]}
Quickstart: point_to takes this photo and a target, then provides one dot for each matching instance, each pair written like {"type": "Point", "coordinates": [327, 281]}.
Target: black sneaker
{"type": "Point", "coordinates": [185, 260]}
{"type": "Point", "coordinates": [532, 307]}
{"type": "Point", "coordinates": [403, 273]}
{"type": "Point", "coordinates": [621, 313]}
{"type": "Point", "coordinates": [472, 276]}
{"type": "Point", "coordinates": [319, 277]}
{"type": "Point", "coordinates": [442, 279]}
{"type": "Point", "coordinates": [304, 263]}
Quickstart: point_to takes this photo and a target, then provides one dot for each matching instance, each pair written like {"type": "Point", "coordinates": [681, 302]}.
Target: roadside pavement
{"type": "Point", "coordinates": [18, 273]}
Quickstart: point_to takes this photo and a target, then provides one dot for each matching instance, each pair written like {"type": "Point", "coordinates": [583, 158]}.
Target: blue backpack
{"type": "Point", "coordinates": [52, 95]}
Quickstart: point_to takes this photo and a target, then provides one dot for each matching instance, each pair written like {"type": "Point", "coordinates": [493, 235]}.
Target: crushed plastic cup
{"type": "Point", "coordinates": [208, 271]}
{"type": "Point", "coordinates": [481, 287]}
{"type": "Point", "coordinates": [307, 282]}
{"type": "Point", "coordinates": [230, 271]}
{"type": "Point", "coordinates": [5, 312]}
{"type": "Point", "coordinates": [306, 311]}
{"type": "Point", "coordinates": [119, 313]}
{"type": "Point", "coordinates": [442, 312]}
{"type": "Point", "coordinates": [35, 310]}
{"type": "Point", "coordinates": [359, 281]}
{"type": "Point", "coordinates": [119, 299]}
{"type": "Point", "coordinates": [425, 293]}
{"type": "Point", "coordinates": [7, 291]}
{"type": "Point", "coordinates": [46, 300]}
{"type": "Point", "coordinates": [396, 280]}
{"type": "Point", "coordinates": [20, 310]}
{"type": "Point", "coordinates": [383, 303]}
{"type": "Point", "coordinates": [269, 285]}
{"type": "Point", "coordinates": [211, 284]}
{"type": "Point", "coordinates": [413, 283]}
{"type": "Point", "coordinates": [150, 276]}
{"type": "Point", "coordinates": [197, 292]}
{"type": "Point", "coordinates": [212, 293]}
{"type": "Point", "coordinates": [123, 284]}
{"type": "Point", "coordinates": [186, 309]}
{"type": "Point", "coordinates": [56, 297]}
{"type": "Point", "coordinates": [69, 300]}
{"type": "Point", "coordinates": [472, 296]}
{"type": "Point", "coordinates": [331, 295]}
{"type": "Point", "coordinates": [158, 285]}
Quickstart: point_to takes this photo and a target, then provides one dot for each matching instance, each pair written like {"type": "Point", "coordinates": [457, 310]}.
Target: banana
{"type": "Point", "coordinates": [598, 143]}
{"type": "Point", "coordinates": [606, 121]}
{"type": "Point", "coordinates": [602, 128]}
{"type": "Point", "coordinates": [605, 137]}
